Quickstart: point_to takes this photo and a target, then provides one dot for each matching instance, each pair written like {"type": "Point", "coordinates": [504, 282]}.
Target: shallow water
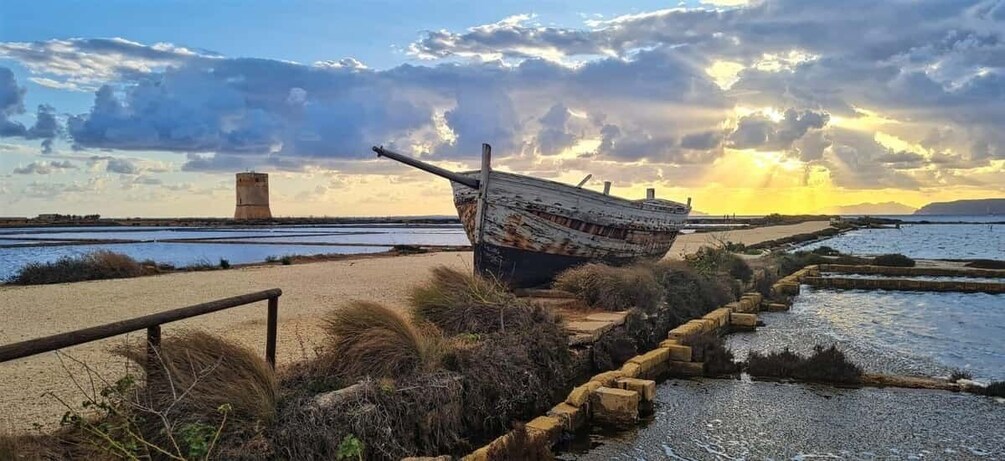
{"type": "Point", "coordinates": [926, 241]}
{"type": "Point", "coordinates": [733, 419]}
{"type": "Point", "coordinates": [899, 332]}
{"type": "Point", "coordinates": [250, 244]}
{"type": "Point", "coordinates": [177, 254]}
{"type": "Point", "coordinates": [927, 278]}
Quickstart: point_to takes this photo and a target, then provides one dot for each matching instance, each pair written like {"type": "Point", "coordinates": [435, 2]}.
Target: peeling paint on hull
{"type": "Point", "coordinates": [533, 228]}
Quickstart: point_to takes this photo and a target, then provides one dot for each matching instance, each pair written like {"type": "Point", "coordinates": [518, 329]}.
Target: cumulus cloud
{"type": "Point", "coordinates": [46, 126]}
{"type": "Point", "coordinates": [638, 85]}
{"type": "Point", "coordinates": [759, 131]}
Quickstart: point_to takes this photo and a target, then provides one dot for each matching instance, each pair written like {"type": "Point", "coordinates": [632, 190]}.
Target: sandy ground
{"type": "Point", "coordinates": [309, 290]}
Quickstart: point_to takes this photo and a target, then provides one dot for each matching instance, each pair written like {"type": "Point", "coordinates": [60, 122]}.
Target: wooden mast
{"type": "Point", "coordinates": [483, 189]}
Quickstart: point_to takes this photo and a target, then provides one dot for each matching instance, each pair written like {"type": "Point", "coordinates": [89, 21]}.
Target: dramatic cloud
{"type": "Point", "coordinates": [842, 87]}
{"type": "Point", "coordinates": [758, 131]}
{"type": "Point", "coordinates": [46, 126]}
{"type": "Point", "coordinates": [11, 104]}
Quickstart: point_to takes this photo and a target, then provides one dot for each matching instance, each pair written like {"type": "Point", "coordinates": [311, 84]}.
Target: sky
{"type": "Point", "coordinates": [148, 109]}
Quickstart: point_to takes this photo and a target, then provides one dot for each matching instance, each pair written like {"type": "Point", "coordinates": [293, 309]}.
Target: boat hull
{"type": "Point", "coordinates": [524, 268]}
{"type": "Point", "coordinates": [530, 229]}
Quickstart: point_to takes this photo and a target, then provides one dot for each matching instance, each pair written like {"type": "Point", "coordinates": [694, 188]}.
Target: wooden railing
{"type": "Point", "coordinates": [152, 323]}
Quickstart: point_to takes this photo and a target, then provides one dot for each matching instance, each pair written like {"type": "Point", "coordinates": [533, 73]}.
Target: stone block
{"type": "Point", "coordinates": [581, 395]}
{"type": "Point", "coordinates": [680, 353]}
{"type": "Point", "coordinates": [571, 417]}
{"type": "Point", "coordinates": [586, 327]}
{"type": "Point", "coordinates": [669, 342]}
{"type": "Point", "coordinates": [746, 306]}
{"type": "Point", "coordinates": [720, 316]}
{"type": "Point", "coordinates": [687, 369]}
{"type": "Point", "coordinates": [733, 306]}
{"type": "Point", "coordinates": [615, 318]}
{"type": "Point", "coordinates": [631, 370]}
{"type": "Point", "coordinates": [777, 307]}
{"type": "Point", "coordinates": [747, 321]}
{"type": "Point", "coordinates": [548, 427]}
{"type": "Point", "coordinates": [614, 406]}
{"type": "Point", "coordinates": [607, 378]}
{"type": "Point", "coordinates": [645, 387]}
{"type": "Point", "coordinates": [704, 325]}
{"type": "Point", "coordinates": [650, 360]}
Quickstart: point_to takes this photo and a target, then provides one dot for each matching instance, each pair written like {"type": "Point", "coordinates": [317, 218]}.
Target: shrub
{"type": "Point", "coordinates": [459, 302]}
{"type": "Point", "coordinates": [97, 265]}
{"type": "Point", "coordinates": [986, 264]}
{"type": "Point", "coordinates": [612, 288]}
{"type": "Point", "coordinates": [708, 261]}
{"type": "Point", "coordinates": [512, 375]}
{"type": "Point", "coordinates": [826, 251]}
{"type": "Point", "coordinates": [286, 260]}
{"type": "Point", "coordinates": [717, 358]}
{"type": "Point", "coordinates": [995, 389]}
{"type": "Point", "coordinates": [374, 420]}
{"type": "Point", "coordinates": [773, 364]}
{"type": "Point", "coordinates": [202, 396]}
{"type": "Point", "coordinates": [893, 260]}
{"type": "Point", "coordinates": [369, 339]}
{"type": "Point", "coordinates": [689, 294]}
{"type": "Point", "coordinates": [224, 264]}
{"type": "Point", "coordinates": [828, 365]}
{"type": "Point", "coordinates": [823, 365]}
{"type": "Point", "coordinates": [959, 374]}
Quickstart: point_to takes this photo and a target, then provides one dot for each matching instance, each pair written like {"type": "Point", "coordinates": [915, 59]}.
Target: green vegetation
{"type": "Point", "coordinates": [224, 264]}
{"type": "Point", "coordinates": [92, 266]}
{"type": "Point", "coordinates": [893, 260]}
{"type": "Point", "coordinates": [612, 288]}
{"type": "Point", "coordinates": [711, 260]}
{"type": "Point", "coordinates": [827, 365]}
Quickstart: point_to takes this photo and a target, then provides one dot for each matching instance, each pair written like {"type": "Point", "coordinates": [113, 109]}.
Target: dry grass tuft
{"type": "Point", "coordinates": [98, 265]}
{"type": "Point", "coordinates": [368, 339]}
{"type": "Point", "coordinates": [202, 381]}
{"type": "Point", "coordinates": [458, 302]}
{"type": "Point", "coordinates": [612, 288]}
{"type": "Point", "coordinates": [19, 447]}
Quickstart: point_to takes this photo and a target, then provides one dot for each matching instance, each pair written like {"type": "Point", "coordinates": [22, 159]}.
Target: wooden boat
{"type": "Point", "coordinates": [525, 230]}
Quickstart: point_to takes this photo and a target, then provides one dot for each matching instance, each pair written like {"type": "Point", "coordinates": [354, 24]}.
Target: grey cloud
{"type": "Point", "coordinates": [122, 166]}
{"type": "Point", "coordinates": [11, 103]}
{"type": "Point", "coordinates": [41, 167]}
{"type": "Point", "coordinates": [758, 131]}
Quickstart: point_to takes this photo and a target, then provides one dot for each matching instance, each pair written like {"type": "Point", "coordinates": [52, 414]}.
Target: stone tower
{"type": "Point", "coordinates": [252, 196]}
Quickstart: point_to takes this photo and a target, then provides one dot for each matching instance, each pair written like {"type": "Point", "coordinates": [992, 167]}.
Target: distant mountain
{"type": "Point", "coordinates": [993, 206]}
{"type": "Point", "coordinates": [884, 208]}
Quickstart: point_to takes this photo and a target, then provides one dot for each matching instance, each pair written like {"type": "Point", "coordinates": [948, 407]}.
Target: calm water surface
{"type": "Point", "coordinates": [926, 241]}
{"type": "Point", "coordinates": [246, 245]}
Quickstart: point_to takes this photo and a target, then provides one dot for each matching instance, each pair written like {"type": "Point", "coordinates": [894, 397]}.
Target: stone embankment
{"type": "Point", "coordinates": [617, 396]}
{"type": "Point", "coordinates": [788, 286]}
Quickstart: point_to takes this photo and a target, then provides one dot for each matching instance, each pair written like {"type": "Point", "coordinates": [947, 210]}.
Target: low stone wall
{"type": "Point", "coordinates": [615, 397]}
{"type": "Point", "coordinates": [913, 271]}
{"type": "Point", "coordinates": [894, 284]}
